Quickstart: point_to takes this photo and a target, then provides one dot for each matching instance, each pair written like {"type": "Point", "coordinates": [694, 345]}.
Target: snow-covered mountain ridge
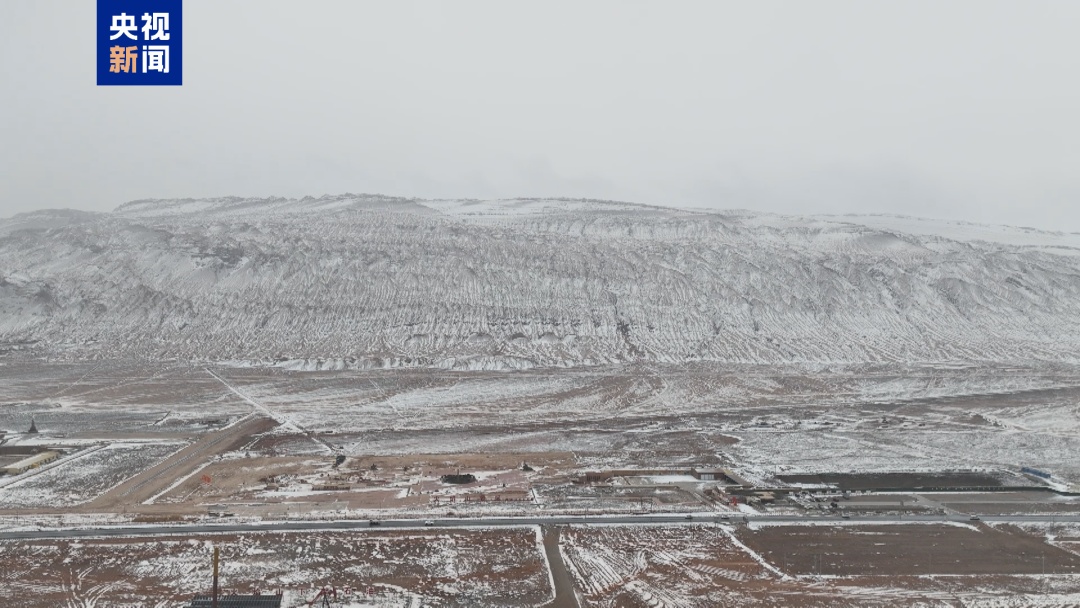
{"type": "Point", "coordinates": [367, 280]}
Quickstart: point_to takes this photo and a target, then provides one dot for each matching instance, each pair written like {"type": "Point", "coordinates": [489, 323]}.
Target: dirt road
{"type": "Point", "coordinates": [131, 494]}
{"type": "Point", "coordinates": [565, 595]}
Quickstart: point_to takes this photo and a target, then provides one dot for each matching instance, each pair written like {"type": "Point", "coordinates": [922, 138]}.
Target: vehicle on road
{"type": "Point", "coordinates": [975, 517]}
{"type": "Point", "coordinates": [374, 522]}
{"type": "Point", "coordinates": [429, 522]}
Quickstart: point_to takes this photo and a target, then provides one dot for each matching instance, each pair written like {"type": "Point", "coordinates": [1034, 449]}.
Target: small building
{"type": "Point", "coordinates": [458, 478]}
{"type": "Point", "coordinates": [237, 601]}
{"type": "Point", "coordinates": [594, 477]}
{"type": "Point", "coordinates": [722, 475]}
{"type": "Point", "coordinates": [710, 474]}
{"type": "Point", "coordinates": [30, 462]}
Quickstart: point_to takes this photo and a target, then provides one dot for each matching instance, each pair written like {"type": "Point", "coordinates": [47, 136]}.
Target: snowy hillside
{"type": "Point", "coordinates": [359, 280]}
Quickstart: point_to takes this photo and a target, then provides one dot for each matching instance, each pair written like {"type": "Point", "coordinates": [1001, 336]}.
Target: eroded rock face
{"type": "Point", "coordinates": [357, 281]}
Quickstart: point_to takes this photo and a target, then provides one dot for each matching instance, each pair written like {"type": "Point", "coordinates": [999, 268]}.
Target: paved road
{"type": "Point", "coordinates": [496, 522]}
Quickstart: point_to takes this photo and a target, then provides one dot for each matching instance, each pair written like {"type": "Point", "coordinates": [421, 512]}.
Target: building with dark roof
{"type": "Point", "coordinates": [237, 601]}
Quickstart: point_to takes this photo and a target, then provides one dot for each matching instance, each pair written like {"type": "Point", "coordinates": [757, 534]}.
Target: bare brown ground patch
{"type": "Point", "coordinates": [466, 462]}
{"type": "Point", "coordinates": [231, 478]}
{"type": "Point", "coordinates": [145, 485]}
{"type": "Point", "coordinates": [701, 566]}
{"type": "Point", "coordinates": [504, 567]}
{"type": "Point", "coordinates": [908, 549]}
{"type": "Point", "coordinates": [661, 566]}
{"type": "Point", "coordinates": [365, 482]}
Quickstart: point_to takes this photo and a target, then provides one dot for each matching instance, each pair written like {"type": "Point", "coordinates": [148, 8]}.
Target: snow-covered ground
{"type": "Point", "coordinates": [480, 568]}
{"type": "Point", "coordinates": [359, 281]}
{"type": "Point", "coordinates": [82, 479]}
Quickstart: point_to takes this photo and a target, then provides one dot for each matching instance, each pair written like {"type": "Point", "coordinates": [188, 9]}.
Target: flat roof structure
{"type": "Point", "coordinates": [237, 601]}
{"type": "Point", "coordinates": [17, 468]}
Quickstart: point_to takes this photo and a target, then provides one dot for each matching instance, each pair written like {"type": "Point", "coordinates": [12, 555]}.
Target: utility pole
{"type": "Point", "coordinates": [214, 601]}
{"type": "Point", "coordinates": [1045, 582]}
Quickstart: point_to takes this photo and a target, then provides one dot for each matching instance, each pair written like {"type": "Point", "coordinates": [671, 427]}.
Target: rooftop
{"type": "Point", "coordinates": [237, 601]}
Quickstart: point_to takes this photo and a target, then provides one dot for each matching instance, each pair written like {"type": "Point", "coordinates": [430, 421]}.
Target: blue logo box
{"type": "Point", "coordinates": [140, 42]}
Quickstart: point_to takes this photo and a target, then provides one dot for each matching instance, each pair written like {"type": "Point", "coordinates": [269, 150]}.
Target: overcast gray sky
{"type": "Point", "coordinates": [955, 109]}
